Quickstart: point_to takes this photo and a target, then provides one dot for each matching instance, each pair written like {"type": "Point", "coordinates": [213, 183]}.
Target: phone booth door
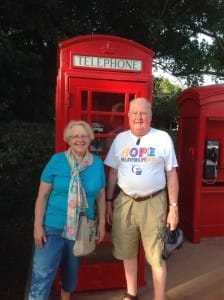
{"type": "Point", "coordinates": [104, 105]}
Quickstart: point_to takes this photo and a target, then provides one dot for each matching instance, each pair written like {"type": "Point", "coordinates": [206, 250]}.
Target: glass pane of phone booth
{"type": "Point", "coordinates": [213, 164]}
{"type": "Point", "coordinates": [105, 111]}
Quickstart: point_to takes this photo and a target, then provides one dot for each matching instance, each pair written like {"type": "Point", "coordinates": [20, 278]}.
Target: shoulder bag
{"type": "Point", "coordinates": [85, 242]}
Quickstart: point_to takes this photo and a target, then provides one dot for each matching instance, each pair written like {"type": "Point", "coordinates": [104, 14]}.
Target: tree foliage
{"type": "Point", "coordinates": [165, 108]}
{"type": "Point", "coordinates": [24, 150]}
{"type": "Point", "coordinates": [30, 32]}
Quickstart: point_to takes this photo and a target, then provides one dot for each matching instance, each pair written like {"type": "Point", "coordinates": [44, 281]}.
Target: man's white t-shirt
{"type": "Point", "coordinates": [141, 166]}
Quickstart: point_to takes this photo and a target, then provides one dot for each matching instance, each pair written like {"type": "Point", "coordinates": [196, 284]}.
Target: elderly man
{"type": "Point", "coordinates": [143, 163]}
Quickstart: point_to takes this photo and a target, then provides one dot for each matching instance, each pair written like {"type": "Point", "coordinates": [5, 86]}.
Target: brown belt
{"type": "Point", "coordinates": [138, 199]}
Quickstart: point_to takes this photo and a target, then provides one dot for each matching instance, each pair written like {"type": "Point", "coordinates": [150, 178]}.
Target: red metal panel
{"type": "Point", "coordinates": [105, 275]}
{"type": "Point", "coordinates": [201, 201]}
{"type": "Point", "coordinates": [105, 46]}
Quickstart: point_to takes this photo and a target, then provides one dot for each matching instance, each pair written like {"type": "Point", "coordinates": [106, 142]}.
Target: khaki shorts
{"type": "Point", "coordinates": [132, 220]}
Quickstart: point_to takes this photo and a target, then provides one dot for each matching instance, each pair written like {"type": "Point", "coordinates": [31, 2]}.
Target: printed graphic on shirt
{"type": "Point", "coordinates": [141, 154]}
{"type": "Point", "coordinates": [136, 156]}
{"type": "Point", "coordinates": [136, 170]}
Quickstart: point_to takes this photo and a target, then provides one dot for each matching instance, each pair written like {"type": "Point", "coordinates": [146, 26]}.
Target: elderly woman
{"type": "Point", "coordinates": [54, 231]}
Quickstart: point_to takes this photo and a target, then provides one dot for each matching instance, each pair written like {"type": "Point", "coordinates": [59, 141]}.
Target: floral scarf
{"type": "Point", "coordinates": [77, 202]}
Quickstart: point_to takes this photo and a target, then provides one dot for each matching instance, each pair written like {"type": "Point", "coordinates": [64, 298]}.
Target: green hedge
{"type": "Point", "coordinates": [24, 150]}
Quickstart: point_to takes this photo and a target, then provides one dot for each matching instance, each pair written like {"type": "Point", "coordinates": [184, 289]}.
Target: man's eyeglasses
{"type": "Point", "coordinates": [79, 137]}
{"type": "Point", "coordinates": [139, 114]}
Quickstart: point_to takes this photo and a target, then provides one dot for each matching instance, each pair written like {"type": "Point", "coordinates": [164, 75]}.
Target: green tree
{"type": "Point", "coordinates": [165, 107]}
{"type": "Point", "coordinates": [30, 32]}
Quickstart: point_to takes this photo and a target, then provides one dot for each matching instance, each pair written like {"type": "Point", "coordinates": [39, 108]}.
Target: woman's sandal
{"type": "Point", "coordinates": [129, 296]}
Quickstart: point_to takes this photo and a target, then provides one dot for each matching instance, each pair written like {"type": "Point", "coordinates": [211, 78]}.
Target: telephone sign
{"type": "Point", "coordinates": [107, 63]}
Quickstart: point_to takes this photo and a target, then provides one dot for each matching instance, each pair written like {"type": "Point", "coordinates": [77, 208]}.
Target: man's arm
{"type": "Point", "coordinates": [173, 190]}
{"type": "Point", "coordinates": [111, 185]}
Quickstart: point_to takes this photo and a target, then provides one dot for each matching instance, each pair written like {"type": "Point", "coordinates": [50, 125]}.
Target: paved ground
{"type": "Point", "coordinates": [188, 269]}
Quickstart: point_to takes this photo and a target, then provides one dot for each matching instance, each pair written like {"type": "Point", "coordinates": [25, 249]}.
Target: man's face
{"type": "Point", "coordinates": [140, 117]}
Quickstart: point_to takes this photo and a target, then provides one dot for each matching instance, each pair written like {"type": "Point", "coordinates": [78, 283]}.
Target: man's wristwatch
{"type": "Point", "coordinates": [173, 204]}
{"type": "Point", "coordinates": [109, 199]}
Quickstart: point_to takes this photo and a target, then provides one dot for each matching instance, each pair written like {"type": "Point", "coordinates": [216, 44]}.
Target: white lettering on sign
{"type": "Point", "coordinates": [106, 63]}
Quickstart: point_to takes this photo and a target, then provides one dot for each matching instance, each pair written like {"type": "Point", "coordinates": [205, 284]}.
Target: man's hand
{"type": "Point", "coordinates": [109, 212]}
{"type": "Point", "coordinates": [173, 217]}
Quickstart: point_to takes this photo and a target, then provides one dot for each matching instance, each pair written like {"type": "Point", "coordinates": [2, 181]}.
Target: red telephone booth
{"type": "Point", "coordinates": [97, 77]}
{"type": "Point", "coordinates": [201, 159]}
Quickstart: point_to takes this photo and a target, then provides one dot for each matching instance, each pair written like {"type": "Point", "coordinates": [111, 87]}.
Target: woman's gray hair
{"type": "Point", "coordinates": [71, 124]}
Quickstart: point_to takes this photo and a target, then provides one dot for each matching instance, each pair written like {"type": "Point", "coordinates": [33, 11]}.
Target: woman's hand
{"type": "Point", "coordinates": [100, 233]}
{"type": "Point", "coordinates": [39, 236]}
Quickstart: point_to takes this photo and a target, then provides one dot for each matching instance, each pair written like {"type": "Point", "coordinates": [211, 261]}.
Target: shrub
{"type": "Point", "coordinates": [24, 150]}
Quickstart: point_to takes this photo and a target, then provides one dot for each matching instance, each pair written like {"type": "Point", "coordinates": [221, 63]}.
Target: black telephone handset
{"type": "Point", "coordinates": [211, 155]}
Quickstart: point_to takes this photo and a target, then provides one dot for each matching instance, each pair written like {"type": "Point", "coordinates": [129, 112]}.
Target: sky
{"type": "Point", "coordinates": [174, 80]}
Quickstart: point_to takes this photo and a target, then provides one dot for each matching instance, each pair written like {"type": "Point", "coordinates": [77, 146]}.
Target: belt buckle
{"type": "Point", "coordinates": [137, 199]}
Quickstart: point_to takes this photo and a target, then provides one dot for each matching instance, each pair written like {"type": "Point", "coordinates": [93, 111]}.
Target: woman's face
{"type": "Point", "coordinates": [79, 140]}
